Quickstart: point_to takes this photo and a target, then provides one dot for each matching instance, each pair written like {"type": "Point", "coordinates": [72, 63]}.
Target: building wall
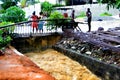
{"type": "Point", "coordinates": [29, 10]}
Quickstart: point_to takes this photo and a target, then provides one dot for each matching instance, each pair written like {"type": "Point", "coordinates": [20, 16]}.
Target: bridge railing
{"type": "Point", "coordinates": [50, 25]}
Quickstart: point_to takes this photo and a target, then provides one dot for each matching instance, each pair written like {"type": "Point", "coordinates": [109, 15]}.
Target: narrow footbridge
{"type": "Point", "coordinates": [24, 29]}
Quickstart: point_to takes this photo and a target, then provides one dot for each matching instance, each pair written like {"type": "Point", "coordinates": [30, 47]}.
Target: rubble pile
{"type": "Point", "coordinates": [100, 53]}
{"type": "Point", "coordinates": [102, 45]}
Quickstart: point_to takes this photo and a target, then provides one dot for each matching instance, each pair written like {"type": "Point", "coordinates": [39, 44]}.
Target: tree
{"type": "Point", "coordinates": [111, 3]}
{"type": "Point", "coordinates": [13, 14]}
{"type": "Point", "coordinates": [47, 7]}
{"type": "Point", "coordinates": [67, 2]}
{"type": "Point", "coordinates": [5, 37]}
{"type": "Point", "coordinates": [8, 3]}
{"type": "Point", "coordinates": [23, 3]}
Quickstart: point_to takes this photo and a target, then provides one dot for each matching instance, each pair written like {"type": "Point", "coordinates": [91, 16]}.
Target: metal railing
{"type": "Point", "coordinates": [49, 26]}
{"type": "Point", "coordinates": [26, 27]}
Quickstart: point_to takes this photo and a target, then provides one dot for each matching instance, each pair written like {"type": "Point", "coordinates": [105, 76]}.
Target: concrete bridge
{"type": "Point", "coordinates": [24, 29]}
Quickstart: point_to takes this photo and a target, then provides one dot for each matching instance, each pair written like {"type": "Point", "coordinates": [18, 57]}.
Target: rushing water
{"type": "Point", "coordinates": [60, 66]}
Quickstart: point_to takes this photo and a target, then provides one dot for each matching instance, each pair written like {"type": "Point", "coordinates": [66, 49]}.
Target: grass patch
{"type": "Point", "coordinates": [105, 14]}
{"type": "Point", "coordinates": [82, 15]}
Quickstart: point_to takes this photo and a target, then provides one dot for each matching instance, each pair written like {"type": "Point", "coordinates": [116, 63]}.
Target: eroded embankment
{"type": "Point", "coordinates": [77, 49]}
{"type": "Point", "coordinates": [20, 67]}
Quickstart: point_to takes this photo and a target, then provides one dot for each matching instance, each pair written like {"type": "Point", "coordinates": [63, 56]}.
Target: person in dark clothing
{"type": "Point", "coordinates": [73, 14]}
{"type": "Point", "coordinates": [41, 15]}
{"type": "Point", "coordinates": [89, 18]}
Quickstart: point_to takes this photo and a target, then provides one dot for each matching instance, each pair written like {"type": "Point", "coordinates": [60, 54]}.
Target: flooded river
{"type": "Point", "coordinates": [60, 66]}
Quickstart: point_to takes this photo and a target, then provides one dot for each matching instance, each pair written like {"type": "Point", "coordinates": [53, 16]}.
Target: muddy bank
{"type": "Point", "coordinates": [20, 67]}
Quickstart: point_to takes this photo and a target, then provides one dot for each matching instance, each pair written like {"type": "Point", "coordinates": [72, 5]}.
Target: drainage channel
{"type": "Point", "coordinates": [38, 49]}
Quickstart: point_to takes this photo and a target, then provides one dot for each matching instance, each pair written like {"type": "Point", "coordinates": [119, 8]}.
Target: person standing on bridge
{"type": "Point", "coordinates": [73, 14]}
{"type": "Point", "coordinates": [34, 21]}
{"type": "Point", "coordinates": [41, 23]}
{"type": "Point", "coordinates": [89, 18]}
{"type": "Point", "coordinates": [65, 14]}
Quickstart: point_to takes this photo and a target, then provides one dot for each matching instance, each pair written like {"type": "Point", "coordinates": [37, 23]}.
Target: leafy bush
{"type": "Point", "coordinates": [13, 14]}
{"type": "Point", "coordinates": [5, 37]}
{"type": "Point", "coordinates": [47, 7]}
{"type": "Point", "coordinates": [58, 5]}
{"type": "Point", "coordinates": [57, 20]}
{"type": "Point", "coordinates": [8, 28]}
{"type": "Point", "coordinates": [2, 11]}
{"type": "Point", "coordinates": [23, 3]}
{"type": "Point", "coordinates": [105, 14]}
{"type": "Point", "coordinates": [111, 3]}
{"type": "Point", "coordinates": [4, 40]}
{"type": "Point", "coordinates": [55, 16]}
{"type": "Point", "coordinates": [8, 4]}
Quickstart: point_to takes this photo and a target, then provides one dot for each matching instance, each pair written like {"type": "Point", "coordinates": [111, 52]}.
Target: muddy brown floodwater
{"type": "Point", "coordinates": [60, 66]}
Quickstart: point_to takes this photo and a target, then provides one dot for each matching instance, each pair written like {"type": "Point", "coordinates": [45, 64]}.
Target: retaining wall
{"type": "Point", "coordinates": [35, 43]}
{"type": "Point", "coordinates": [101, 69]}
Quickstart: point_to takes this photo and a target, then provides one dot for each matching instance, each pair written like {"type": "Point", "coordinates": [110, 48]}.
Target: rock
{"type": "Point", "coordinates": [73, 47]}
{"type": "Point", "coordinates": [99, 20]}
{"type": "Point", "coordinates": [100, 29]}
{"type": "Point", "coordinates": [118, 46]}
{"type": "Point", "coordinates": [82, 50]}
{"type": "Point", "coordinates": [88, 52]}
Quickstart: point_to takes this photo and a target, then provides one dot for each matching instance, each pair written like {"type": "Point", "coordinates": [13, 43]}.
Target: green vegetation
{"type": "Point", "coordinates": [46, 8]}
{"type": "Point", "coordinates": [13, 14]}
{"type": "Point", "coordinates": [2, 11]}
{"type": "Point", "coordinates": [105, 14]}
{"type": "Point", "coordinates": [82, 15]}
{"type": "Point", "coordinates": [5, 37]}
{"type": "Point", "coordinates": [23, 3]}
{"type": "Point", "coordinates": [26, 3]}
{"type": "Point", "coordinates": [57, 20]}
{"type": "Point", "coordinates": [5, 23]}
{"type": "Point", "coordinates": [57, 5]}
{"type": "Point", "coordinates": [111, 3]}
{"type": "Point", "coordinates": [55, 16]}
{"type": "Point", "coordinates": [67, 2]}
{"type": "Point", "coordinates": [10, 29]}
{"type": "Point", "coordinates": [8, 4]}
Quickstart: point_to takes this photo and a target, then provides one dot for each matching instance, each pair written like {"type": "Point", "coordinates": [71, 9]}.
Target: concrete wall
{"type": "Point", "coordinates": [103, 70]}
{"type": "Point", "coordinates": [29, 10]}
{"type": "Point", "coordinates": [37, 43]}
{"type": "Point", "coordinates": [96, 9]}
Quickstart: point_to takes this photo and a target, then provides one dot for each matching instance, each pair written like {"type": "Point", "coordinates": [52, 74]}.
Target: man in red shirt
{"type": "Point", "coordinates": [34, 21]}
